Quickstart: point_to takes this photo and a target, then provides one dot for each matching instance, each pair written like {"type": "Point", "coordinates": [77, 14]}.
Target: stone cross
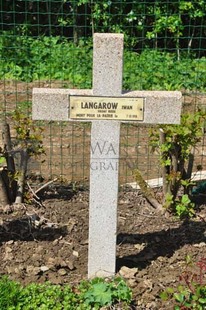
{"type": "Point", "coordinates": [159, 107]}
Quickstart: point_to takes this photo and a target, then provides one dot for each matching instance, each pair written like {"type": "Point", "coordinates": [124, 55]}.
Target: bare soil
{"type": "Point", "coordinates": [50, 242]}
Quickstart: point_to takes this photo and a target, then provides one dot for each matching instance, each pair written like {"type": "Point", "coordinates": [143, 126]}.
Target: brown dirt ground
{"type": "Point", "coordinates": [49, 242]}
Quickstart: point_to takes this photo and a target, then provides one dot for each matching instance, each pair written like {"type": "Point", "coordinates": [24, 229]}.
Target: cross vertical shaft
{"type": "Point", "coordinates": [107, 81]}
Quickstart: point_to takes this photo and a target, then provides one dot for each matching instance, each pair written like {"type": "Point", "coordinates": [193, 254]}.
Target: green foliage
{"type": "Point", "coordinates": [192, 293]}
{"type": "Point", "coordinates": [181, 137]}
{"type": "Point", "coordinates": [28, 136]}
{"type": "Point", "coordinates": [46, 296]}
{"type": "Point", "coordinates": [99, 292]}
{"type": "Point", "coordinates": [176, 143]}
{"type": "Point", "coordinates": [170, 21]}
{"type": "Point", "coordinates": [47, 58]}
{"type": "Point", "coordinates": [92, 294]}
{"type": "Point", "coordinates": [2, 159]}
{"type": "Point", "coordinates": [27, 143]}
{"type": "Point", "coordinates": [184, 207]}
{"type": "Point", "coordinates": [9, 294]}
{"type": "Point", "coordinates": [154, 70]}
{"type": "Point", "coordinates": [160, 24]}
{"type": "Point", "coordinates": [187, 300]}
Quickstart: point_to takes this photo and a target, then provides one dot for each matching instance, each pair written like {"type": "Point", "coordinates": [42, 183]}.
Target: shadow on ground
{"type": "Point", "coordinates": [161, 243]}
{"type": "Point", "coordinates": [24, 229]}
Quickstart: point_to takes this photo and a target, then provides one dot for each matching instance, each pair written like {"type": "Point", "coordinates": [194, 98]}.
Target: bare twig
{"type": "Point", "coordinates": [45, 185]}
{"type": "Point", "coordinates": [36, 198]}
{"type": "Point", "coordinates": [32, 191]}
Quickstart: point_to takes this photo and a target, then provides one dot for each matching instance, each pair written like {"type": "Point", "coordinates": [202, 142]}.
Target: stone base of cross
{"type": "Point", "coordinates": [156, 107]}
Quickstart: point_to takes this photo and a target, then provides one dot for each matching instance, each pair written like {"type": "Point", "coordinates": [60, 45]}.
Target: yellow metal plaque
{"type": "Point", "coordinates": [101, 108]}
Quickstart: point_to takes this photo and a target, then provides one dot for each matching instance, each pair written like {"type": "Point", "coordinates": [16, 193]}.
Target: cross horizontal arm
{"type": "Point", "coordinates": [161, 107]}
{"type": "Point", "coordinates": [52, 104]}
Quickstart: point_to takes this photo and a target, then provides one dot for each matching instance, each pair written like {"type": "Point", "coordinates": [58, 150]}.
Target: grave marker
{"type": "Point", "coordinates": [105, 106]}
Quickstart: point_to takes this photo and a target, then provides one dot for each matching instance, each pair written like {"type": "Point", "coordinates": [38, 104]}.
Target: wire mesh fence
{"type": "Point", "coordinates": [49, 44]}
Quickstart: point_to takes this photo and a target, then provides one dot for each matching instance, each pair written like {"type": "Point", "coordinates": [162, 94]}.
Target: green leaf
{"type": "Point", "coordinates": [100, 293]}
{"type": "Point", "coordinates": [179, 297]}
{"type": "Point", "coordinates": [170, 290]}
{"type": "Point", "coordinates": [164, 296]}
{"type": "Point", "coordinates": [202, 300]}
{"type": "Point", "coordinates": [2, 160]}
{"type": "Point", "coordinates": [185, 199]}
